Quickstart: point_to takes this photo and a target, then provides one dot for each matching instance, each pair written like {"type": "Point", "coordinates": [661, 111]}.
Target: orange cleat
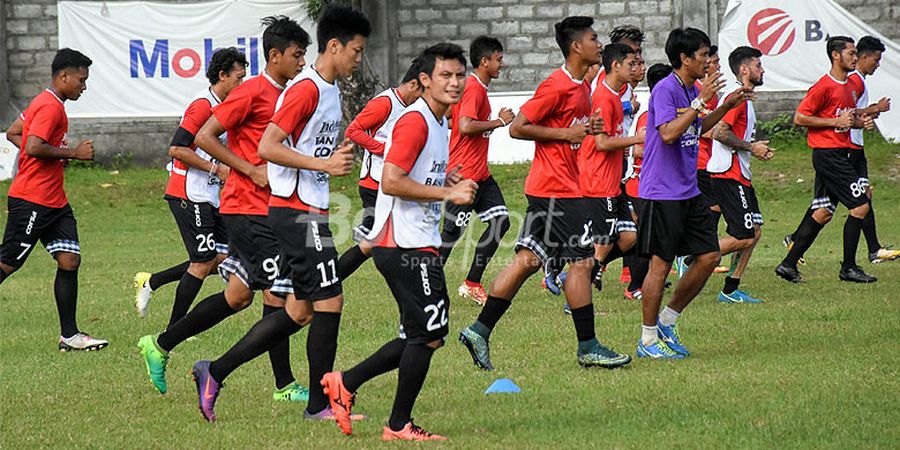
{"type": "Point", "coordinates": [341, 400]}
{"type": "Point", "coordinates": [474, 292]}
{"type": "Point", "coordinates": [721, 269]}
{"type": "Point", "coordinates": [625, 277]}
{"type": "Point", "coordinates": [411, 432]}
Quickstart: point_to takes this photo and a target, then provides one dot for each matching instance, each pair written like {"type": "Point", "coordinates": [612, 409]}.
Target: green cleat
{"type": "Point", "coordinates": [156, 360]}
{"type": "Point", "coordinates": [478, 347]}
{"type": "Point", "coordinates": [291, 393]}
{"type": "Point", "coordinates": [600, 356]}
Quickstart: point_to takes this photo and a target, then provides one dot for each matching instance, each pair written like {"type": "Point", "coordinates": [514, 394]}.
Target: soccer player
{"type": "Point", "coordinates": [868, 51]}
{"type": "Point", "coordinates": [674, 217]}
{"type": "Point", "coordinates": [729, 169]}
{"type": "Point", "coordinates": [37, 205]}
{"type": "Point", "coordinates": [300, 143]}
{"type": "Point", "coordinates": [406, 239]}
{"type": "Point", "coordinates": [370, 130]}
{"type": "Point", "coordinates": [193, 191]}
{"type": "Point", "coordinates": [829, 112]}
{"type": "Point", "coordinates": [469, 138]}
{"type": "Point", "coordinates": [556, 226]}
{"type": "Point", "coordinates": [253, 262]}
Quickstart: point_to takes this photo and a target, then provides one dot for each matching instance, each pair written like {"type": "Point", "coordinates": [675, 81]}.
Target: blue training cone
{"type": "Point", "coordinates": [503, 386]}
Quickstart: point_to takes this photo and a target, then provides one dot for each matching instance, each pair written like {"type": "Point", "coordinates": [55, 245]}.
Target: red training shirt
{"type": "Point", "coordinates": [40, 180]}
{"type": "Point", "coordinates": [197, 113]}
{"type": "Point", "coordinates": [828, 98]}
{"type": "Point", "coordinates": [601, 171]}
{"type": "Point", "coordinates": [471, 151]}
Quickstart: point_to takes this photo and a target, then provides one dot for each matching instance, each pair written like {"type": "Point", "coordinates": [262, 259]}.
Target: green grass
{"type": "Point", "coordinates": [813, 367]}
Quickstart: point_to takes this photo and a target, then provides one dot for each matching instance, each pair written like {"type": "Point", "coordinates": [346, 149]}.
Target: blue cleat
{"type": "Point", "coordinates": [669, 335]}
{"type": "Point", "coordinates": [680, 266]}
{"type": "Point", "coordinates": [554, 282]}
{"type": "Point", "coordinates": [737, 296]}
{"type": "Point", "coordinates": [657, 350]}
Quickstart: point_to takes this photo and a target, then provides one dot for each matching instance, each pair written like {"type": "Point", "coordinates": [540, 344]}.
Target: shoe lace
{"type": "Point", "coordinates": [418, 431]}
{"type": "Point", "coordinates": [664, 349]}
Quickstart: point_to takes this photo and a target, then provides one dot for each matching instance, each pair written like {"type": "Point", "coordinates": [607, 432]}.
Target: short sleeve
{"type": "Point", "coordinates": [812, 103]}
{"type": "Point", "coordinates": [662, 101]}
{"type": "Point", "coordinates": [542, 105]}
{"type": "Point", "coordinates": [197, 114]}
{"type": "Point", "coordinates": [44, 121]}
{"type": "Point", "coordinates": [407, 140]}
{"type": "Point", "coordinates": [235, 108]}
{"type": "Point", "coordinates": [370, 119]}
{"type": "Point", "coordinates": [297, 107]}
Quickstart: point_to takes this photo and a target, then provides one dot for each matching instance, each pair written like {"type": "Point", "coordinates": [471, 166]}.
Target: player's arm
{"type": "Point", "coordinates": [180, 149]}
{"type": "Point", "coordinates": [14, 132]}
{"type": "Point", "coordinates": [845, 120]}
{"type": "Point", "coordinates": [735, 98]}
{"type": "Point", "coordinates": [395, 181]}
{"type": "Point", "coordinates": [372, 117]}
{"type": "Point", "coordinates": [606, 143]}
{"type": "Point", "coordinates": [42, 125]}
{"type": "Point", "coordinates": [723, 133]}
{"type": "Point", "coordinates": [471, 127]}
{"type": "Point", "coordinates": [883, 105]}
{"type": "Point", "coordinates": [522, 128]}
{"type": "Point", "coordinates": [208, 139]}
{"type": "Point", "coordinates": [272, 148]}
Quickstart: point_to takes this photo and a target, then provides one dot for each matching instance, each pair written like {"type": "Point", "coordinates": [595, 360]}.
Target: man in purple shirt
{"type": "Point", "coordinates": [674, 219]}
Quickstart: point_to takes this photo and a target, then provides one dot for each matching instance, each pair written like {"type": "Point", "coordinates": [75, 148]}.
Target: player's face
{"type": "Point", "coordinates": [232, 79]}
{"type": "Point", "coordinates": [625, 71]}
{"type": "Point", "coordinates": [637, 72]}
{"type": "Point", "coordinates": [697, 64]}
{"type": "Point", "coordinates": [714, 64]}
{"type": "Point", "coordinates": [74, 82]}
{"type": "Point", "coordinates": [591, 47]}
{"type": "Point", "coordinates": [755, 71]}
{"type": "Point", "coordinates": [291, 61]}
{"type": "Point", "coordinates": [446, 82]}
{"type": "Point", "coordinates": [869, 63]}
{"type": "Point", "coordinates": [848, 58]}
{"type": "Point", "coordinates": [349, 56]}
{"type": "Point", "coordinates": [494, 64]}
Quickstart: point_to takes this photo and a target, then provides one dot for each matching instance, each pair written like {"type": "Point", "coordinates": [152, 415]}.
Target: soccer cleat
{"type": "Point", "coordinates": [81, 342]}
{"type": "Point", "coordinates": [680, 266]}
{"type": "Point", "coordinates": [721, 269]}
{"type": "Point", "coordinates": [601, 356]}
{"type": "Point", "coordinates": [207, 389]}
{"type": "Point", "coordinates": [554, 282]}
{"type": "Point", "coordinates": [340, 399]}
{"type": "Point", "coordinates": [625, 276]}
{"type": "Point", "coordinates": [856, 275]}
{"type": "Point", "coordinates": [155, 359]}
{"type": "Point", "coordinates": [788, 273]}
{"type": "Point", "coordinates": [883, 254]}
{"type": "Point", "coordinates": [788, 242]}
{"type": "Point", "coordinates": [410, 432]}
{"type": "Point", "coordinates": [327, 414]}
{"type": "Point", "coordinates": [475, 293]}
{"type": "Point", "coordinates": [291, 393]}
{"type": "Point", "coordinates": [142, 293]}
{"type": "Point", "coordinates": [636, 294]}
{"type": "Point", "coordinates": [657, 350]}
{"type": "Point", "coordinates": [738, 296]}
{"type": "Point", "coordinates": [478, 347]}
{"type": "Point", "coordinates": [669, 335]}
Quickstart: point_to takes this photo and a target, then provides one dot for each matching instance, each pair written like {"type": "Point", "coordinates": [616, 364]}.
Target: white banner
{"type": "Point", "coordinates": [8, 154]}
{"type": "Point", "coordinates": [791, 36]}
{"type": "Point", "coordinates": [150, 58]}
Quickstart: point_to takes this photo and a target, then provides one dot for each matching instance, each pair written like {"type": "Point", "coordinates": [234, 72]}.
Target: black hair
{"type": "Point", "coordinates": [570, 30]}
{"type": "Point", "coordinates": [869, 44]}
{"type": "Point", "coordinates": [281, 32]}
{"type": "Point", "coordinates": [443, 50]}
{"type": "Point", "coordinates": [66, 58]}
{"type": "Point", "coordinates": [483, 47]}
{"type": "Point", "coordinates": [686, 41]}
{"type": "Point", "coordinates": [656, 73]}
{"type": "Point", "coordinates": [615, 52]}
{"type": "Point", "coordinates": [342, 23]}
{"type": "Point", "coordinates": [412, 73]}
{"type": "Point", "coordinates": [223, 60]}
{"type": "Point", "coordinates": [713, 50]}
{"type": "Point", "coordinates": [837, 44]}
{"type": "Point", "coordinates": [742, 55]}
{"type": "Point", "coordinates": [626, 32]}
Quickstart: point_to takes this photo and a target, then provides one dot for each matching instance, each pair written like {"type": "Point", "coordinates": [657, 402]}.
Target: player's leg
{"type": "Point", "coordinates": [356, 256]}
{"type": "Point", "coordinates": [456, 219]}
{"type": "Point", "coordinates": [25, 222]}
{"type": "Point", "coordinates": [814, 219]}
{"type": "Point", "coordinates": [491, 209]}
{"type": "Point", "coordinates": [736, 205]}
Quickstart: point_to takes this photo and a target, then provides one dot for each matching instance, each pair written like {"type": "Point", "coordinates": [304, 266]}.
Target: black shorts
{"type": "Point", "coordinates": [670, 228]}
{"type": "Point", "coordinates": [28, 223]}
{"type": "Point", "coordinates": [416, 280]}
{"type": "Point", "coordinates": [609, 216]}
{"type": "Point", "coordinates": [556, 228]}
{"type": "Point", "coordinates": [705, 186]}
{"type": "Point", "coordinates": [253, 253]}
{"type": "Point", "coordinates": [488, 204]}
{"type": "Point", "coordinates": [307, 252]}
{"type": "Point", "coordinates": [739, 205]}
{"type": "Point", "coordinates": [368, 197]}
{"type": "Point", "coordinates": [836, 180]}
{"type": "Point", "coordinates": [201, 227]}
{"type": "Point", "coordinates": [860, 165]}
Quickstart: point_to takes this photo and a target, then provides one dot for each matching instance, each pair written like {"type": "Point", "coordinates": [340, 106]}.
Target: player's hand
{"type": "Point", "coordinates": [738, 96]}
{"type": "Point", "coordinates": [341, 160]}
{"type": "Point", "coordinates": [222, 171]}
{"type": "Point", "coordinates": [576, 133]}
{"type": "Point", "coordinates": [260, 175]}
{"type": "Point", "coordinates": [453, 176]}
{"type": "Point", "coordinates": [710, 86]}
{"type": "Point", "coordinates": [845, 120]}
{"type": "Point", "coordinates": [595, 123]}
{"type": "Point", "coordinates": [761, 150]}
{"type": "Point", "coordinates": [85, 150]}
{"type": "Point", "coordinates": [506, 115]}
{"type": "Point", "coordinates": [641, 133]}
{"type": "Point", "coordinates": [463, 193]}
{"type": "Point", "coordinates": [867, 121]}
{"type": "Point", "coordinates": [635, 104]}
{"type": "Point", "coordinates": [884, 105]}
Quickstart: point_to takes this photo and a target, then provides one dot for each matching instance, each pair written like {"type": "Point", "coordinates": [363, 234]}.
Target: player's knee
{"type": "Point", "coordinates": [202, 269]}
{"type": "Point", "coordinates": [744, 244]}
{"type": "Point", "coordinates": [238, 295]}
{"type": "Point", "coordinates": [68, 261]}
{"type": "Point", "coordinates": [301, 312]}
{"type": "Point", "coordinates": [860, 211]}
{"type": "Point", "coordinates": [627, 241]}
{"type": "Point", "coordinates": [710, 260]}
{"type": "Point", "coordinates": [436, 344]}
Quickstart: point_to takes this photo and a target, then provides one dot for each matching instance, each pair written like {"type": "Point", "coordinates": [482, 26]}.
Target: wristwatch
{"type": "Point", "coordinates": [698, 105]}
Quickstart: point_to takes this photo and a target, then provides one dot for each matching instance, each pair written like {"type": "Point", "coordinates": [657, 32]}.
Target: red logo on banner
{"type": "Point", "coordinates": [771, 31]}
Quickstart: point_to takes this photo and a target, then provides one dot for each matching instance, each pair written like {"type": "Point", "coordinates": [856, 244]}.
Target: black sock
{"type": "Point", "coordinates": [351, 260]}
{"type": "Point", "coordinates": [803, 238]}
{"type": "Point", "coordinates": [492, 311]}
{"type": "Point", "coordinates": [65, 288]}
{"type": "Point", "coordinates": [321, 346]}
{"type": "Point", "coordinates": [413, 368]}
{"type": "Point", "coordinates": [584, 322]}
{"type": "Point", "coordinates": [280, 355]}
{"type": "Point", "coordinates": [868, 229]}
{"type": "Point", "coordinates": [852, 228]}
{"type": "Point", "coordinates": [185, 293]}
{"type": "Point", "coordinates": [614, 254]}
{"type": "Point", "coordinates": [731, 284]}
{"type": "Point", "coordinates": [262, 336]}
{"type": "Point", "coordinates": [487, 246]}
{"type": "Point", "coordinates": [205, 315]}
{"type": "Point", "coordinates": [386, 359]}
{"type": "Point", "coordinates": [639, 269]}
{"type": "Point", "coordinates": [170, 275]}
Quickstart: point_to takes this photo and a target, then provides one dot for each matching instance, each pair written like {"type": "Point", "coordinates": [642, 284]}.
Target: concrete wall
{"type": "Point", "coordinates": [402, 27]}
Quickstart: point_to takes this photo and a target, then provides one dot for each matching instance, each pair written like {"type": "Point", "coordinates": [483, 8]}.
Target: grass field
{"type": "Point", "coordinates": [813, 367]}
